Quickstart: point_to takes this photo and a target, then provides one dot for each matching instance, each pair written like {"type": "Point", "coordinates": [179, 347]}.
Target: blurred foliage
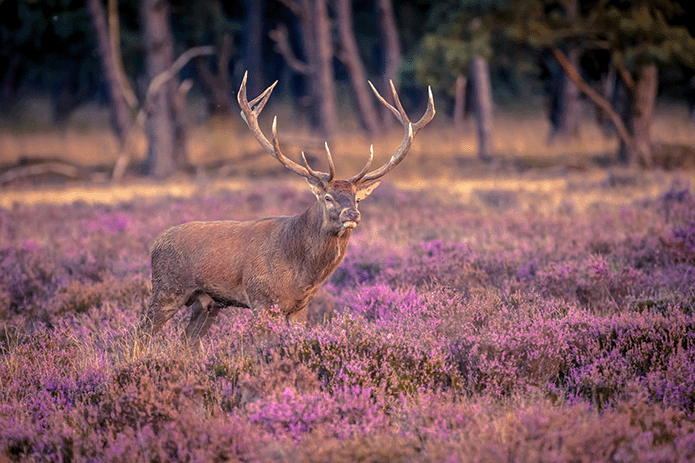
{"type": "Point", "coordinates": [48, 47]}
{"type": "Point", "coordinates": [456, 32]}
{"type": "Point", "coordinates": [442, 56]}
{"type": "Point", "coordinates": [55, 44]}
{"type": "Point", "coordinates": [635, 32]}
{"type": "Point", "coordinates": [53, 38]}
{"type": "Point", "coordinates": [205, 22]}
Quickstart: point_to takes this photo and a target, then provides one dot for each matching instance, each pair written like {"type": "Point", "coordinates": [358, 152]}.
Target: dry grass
{"type": "Point", "coordinates": [546, 192]}
{"type": "Point", "coordinates": [442, 157]}
{"type": "Point", "coordinates": [518, 135]}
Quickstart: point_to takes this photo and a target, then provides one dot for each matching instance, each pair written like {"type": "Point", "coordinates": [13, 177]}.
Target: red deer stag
{"type": "Point", "coordinates": [279, 261]}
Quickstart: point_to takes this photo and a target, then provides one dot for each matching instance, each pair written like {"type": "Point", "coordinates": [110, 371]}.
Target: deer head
{"type": "Point", "coordinates": [337, 199]}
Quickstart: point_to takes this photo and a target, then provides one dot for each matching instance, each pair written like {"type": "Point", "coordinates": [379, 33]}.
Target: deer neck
{"type": "Point", "coordinates": [321, 249]}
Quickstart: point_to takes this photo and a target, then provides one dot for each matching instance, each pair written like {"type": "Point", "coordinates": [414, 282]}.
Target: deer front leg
{"type": "Point", "coordinates": [297, 310]}
{"type": "Point", "coordinates": [204, 313]}
{"type": "Point", "coordinates": [160, 309]}
{"type": "Point", "coordinates": [299, 316]}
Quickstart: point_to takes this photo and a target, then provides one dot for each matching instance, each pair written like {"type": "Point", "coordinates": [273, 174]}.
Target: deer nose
{"type": "Point", "coordinates": [351, 215]}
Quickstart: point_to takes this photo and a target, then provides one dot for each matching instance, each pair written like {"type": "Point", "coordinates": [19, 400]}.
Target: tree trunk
{"type": "Point", "coordinates": [566, 119]}
{"type": "Point", "coordinates": [312, 101]}
{"type": "Point", "coordinates": [460, 100]}
{"type": "Point", "coordinates": [351, 58]}
{"type": "Point", "coordinates": [324, 70]}
{"type": "Point", "coordinates": [65, 100]}
{"type": "Point", "coordinates": [218, 82]}
{"type": "Point", "coordinates": [115, 36]}
{"type": "Point", "coordinates": [609, 84]}
{"type": "Point", "coordinates": [564, 101]}
{"type": "Point", "coordinates": [392, 55]}
{"type": "Point", "coordinates": [253, 44]}
{"type": "Point", "coordinates": [8, 85]}
{"type": "Point", "coordinates": [317, 43]}
{"type": "Point", "coordinates": [569, 121]}
{"type": "Point", "coordinates": [159, 124]}
{"type": "Point", "coordinates": [179, 109]}
{"type": "Point", "coordinates": [120, 110]}
{"type": "Point", "coordinates": [482, 91]}
{"type": "Point", "coordinates": [308, 31]}
{"type": "Point", "coordinates": [622, 103]}
{"type": "Point", "coordinates": [642, 112]}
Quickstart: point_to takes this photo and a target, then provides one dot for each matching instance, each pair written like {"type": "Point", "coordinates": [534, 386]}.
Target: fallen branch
{"type": "Point", "coordinates": [57, 168]}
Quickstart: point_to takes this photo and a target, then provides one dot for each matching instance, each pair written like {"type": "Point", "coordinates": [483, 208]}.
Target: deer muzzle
{"type": "Point", "coordinates": [350, 217]}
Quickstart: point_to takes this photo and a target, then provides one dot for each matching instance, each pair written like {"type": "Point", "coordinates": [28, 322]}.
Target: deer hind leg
{"type": "Point", "coordinates": [205, 311]}
{"type": "Point", "coordinates": [159, 310]}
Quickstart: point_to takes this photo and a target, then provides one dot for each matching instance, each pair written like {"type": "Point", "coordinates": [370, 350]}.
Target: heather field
{"type": "Point", "coordinates": [545, 317]}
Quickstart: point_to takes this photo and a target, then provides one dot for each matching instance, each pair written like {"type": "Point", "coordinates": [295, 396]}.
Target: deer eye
{"type": "Point", "coordinates": [328, 198]}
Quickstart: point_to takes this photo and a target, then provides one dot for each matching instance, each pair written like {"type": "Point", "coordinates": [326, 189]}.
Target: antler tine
{"type": "Point", "coordinates": [293, 166]}
{"type": "Point", "coordinates": [399, 113]}
{"type": "Point", "coordinates": [331, 165]}
{"type": "Point", "coordinates": [253, 105]}
{"type": "Point", "coordinates": [410, 131]}
{"type": "Point", "coordinates": [251, 110]}
{"type": "Point", "coordinates": [251, 117]}
{"type": "Point", "coordinates": [429, 113]}
{"type": "Point", "coordinates": [314, 173]}
{"type": "Point", "coordinates": [395, 159]}
{"type": "Point", "coordinates": [397, 100]}
{"type": "Point", "coordinates": [263, 98]}
{"type": "Point", "coordinates": [321, 175]}
{"type": "Point", "coordinates": [365, 169]}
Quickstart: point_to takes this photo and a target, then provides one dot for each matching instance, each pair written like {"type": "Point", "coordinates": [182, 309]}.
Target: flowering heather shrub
{"type": "Point", "coordinates": [674, 384]}
{"type": "Point", "coordinates": [26, 276]}
{"type": "Point", "coordinates": [343, 413]}
{"type": "Point", "coordinates": [451, 332]}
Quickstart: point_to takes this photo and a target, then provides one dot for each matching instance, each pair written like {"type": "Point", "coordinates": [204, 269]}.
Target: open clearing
{"type": "Point", "coordinates": [546, 315]}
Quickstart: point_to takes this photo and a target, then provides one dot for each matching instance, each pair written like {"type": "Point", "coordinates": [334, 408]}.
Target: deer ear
{"type": "Point", "coordinates": [318, 187]}
{"type": "Point", "coordinates": [365, 191]}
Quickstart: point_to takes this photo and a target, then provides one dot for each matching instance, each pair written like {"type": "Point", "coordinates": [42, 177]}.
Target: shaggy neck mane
{"type": "Point", "coordinates": [320, 250]}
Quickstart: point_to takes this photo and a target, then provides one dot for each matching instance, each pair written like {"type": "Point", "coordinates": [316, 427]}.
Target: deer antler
{"type": "Point", "coordinates": [250, 111]}
{"type": "Point", "coordinates": [410, 131]}
{"type": "Point", "coordinates": [356, 179]}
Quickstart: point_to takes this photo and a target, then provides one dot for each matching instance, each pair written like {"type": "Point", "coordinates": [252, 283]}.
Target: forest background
{"type": "Point", "coordinates": [149, 87]}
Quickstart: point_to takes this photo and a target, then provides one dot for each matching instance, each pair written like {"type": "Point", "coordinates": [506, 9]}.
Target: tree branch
{"type": "Point", "coordinates": [293, 6]}
{"type": "Point", "coordinates": [593, 95]}
{"type": "Point", "coordinates": [626, 77]}
{"type": "Point", "coordinates": [115, 42]}
{"type": "Point", "coordinates": [225, 56]}
{"type": "Point", "coordinates": [282, 45]}
{"type": "Point", "coordinates": [180, 62]}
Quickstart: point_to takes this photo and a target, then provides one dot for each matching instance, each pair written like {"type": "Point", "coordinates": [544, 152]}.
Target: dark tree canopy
{"type": "Point", "coordinates": [633, 32]}
{"type": "Point", "coordinates": [49, 48]}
